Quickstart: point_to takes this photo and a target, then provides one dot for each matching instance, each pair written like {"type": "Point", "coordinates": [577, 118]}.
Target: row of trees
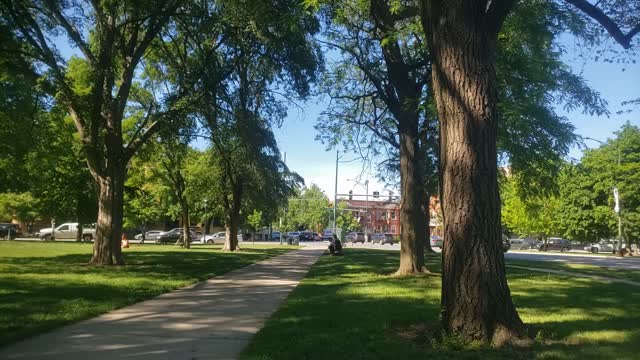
{"type": "Point", "coordinates": [582, 206]}
{"type": "Point", "coordinates": [312, 210]}
{"type": "Point", "coordinates": [168, 70]}
{"type": "Point", "coordinates": [430, 80]}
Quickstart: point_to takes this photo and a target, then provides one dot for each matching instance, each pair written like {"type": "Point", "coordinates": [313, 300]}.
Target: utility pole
{"type": "Point", "coordinates": [335, 197]}
{"type": "Point", "coordinates": [285, 207]}
{"type": "Point", "coordinates": [366, 211]}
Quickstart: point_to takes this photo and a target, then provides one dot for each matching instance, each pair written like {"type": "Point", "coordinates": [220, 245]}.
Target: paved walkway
{"type": "Point", "coordinates": [214, 319]}
{"type": "Point", "coordinates": [577, 274]}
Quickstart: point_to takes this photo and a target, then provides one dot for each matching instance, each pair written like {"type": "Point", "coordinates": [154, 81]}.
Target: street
{"type": "Point", "coordinates": [575, 257]}
{"type": "Point", "coordinates": [631, 263]}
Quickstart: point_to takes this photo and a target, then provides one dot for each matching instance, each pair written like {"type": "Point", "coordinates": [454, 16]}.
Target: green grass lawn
{"type": "Point", "coordinates": [46, 285]}
{"type": "Point", "coordinates": [633, 275]}
{"type": "Point", "coordinates": [351, 308]}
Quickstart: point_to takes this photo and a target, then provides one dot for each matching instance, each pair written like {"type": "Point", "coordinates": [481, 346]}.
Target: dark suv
{"type": "Point", "coordinates": [173, 235]}
{"type": "Point", "coordinates": [9, 231]}
{"type": "Point", "coordinates": [556, 244]}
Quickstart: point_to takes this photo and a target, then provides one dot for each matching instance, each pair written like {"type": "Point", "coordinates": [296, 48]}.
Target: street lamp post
{"type": "Point", "coordinates": [616, 196]}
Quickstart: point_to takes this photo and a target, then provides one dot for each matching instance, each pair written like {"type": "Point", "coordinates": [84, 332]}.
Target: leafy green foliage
{"type": "Point", "coordinates": [537, 216]}
{"type": "Point", "coordinates": [308, 211]}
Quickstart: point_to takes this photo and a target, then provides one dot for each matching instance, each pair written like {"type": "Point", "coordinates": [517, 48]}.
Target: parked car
{"type": "Point", "coordinates": [149, 235]}
{"type": "Point", "coordinates": [327, 235]}
{"type": "Point", "coordinates": [173, 235]}
{"type": "Point", "coordinates": [10, 231]}
{"type": "Point", "coordinates": [556, 244]}
{"type": "Point", "coordinates": [68, 231]}
{"type": "Point", "coordinates": [380, 238]}
{"type": "Point", "coordinates": [355, 237]}
{"type": "Point", "coordinates": [275, 235]}
{"type": "Point", "coordinates": [294, 235]}
{"type": "Point", "coordinates": [436, 241]}
{"type": "Point", "coordinates": [523, 244]}
{"type": "Point", "coordinates": [601, 246]}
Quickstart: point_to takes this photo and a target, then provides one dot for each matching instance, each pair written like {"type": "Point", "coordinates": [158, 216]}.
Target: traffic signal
{"type": "Point", "coordinates": [350, 194]}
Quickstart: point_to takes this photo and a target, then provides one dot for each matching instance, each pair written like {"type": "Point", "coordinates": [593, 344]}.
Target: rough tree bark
{"type": "Point", "coordinates": [476, 301]}
{"type": "Point", "coordinates": [106, 248]}
{"type": "Point", "coordinates": [79, 232]}
{"type": "Point", "coordinates": [402, 97]}
{"type": "Point", "coordinates": [412, 223]}
{"type": "Point", "coordinates": [186, 231]}
{"type": "Point", "coordinates": [232, 221]}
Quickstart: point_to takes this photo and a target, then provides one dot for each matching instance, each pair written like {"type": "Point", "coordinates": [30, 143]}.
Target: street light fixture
{"type": "Point", "coordinates": [616, 194]}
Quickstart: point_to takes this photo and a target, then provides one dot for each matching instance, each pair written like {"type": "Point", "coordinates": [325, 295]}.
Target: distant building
{"type": "Point", "coordinates": [383, 216]}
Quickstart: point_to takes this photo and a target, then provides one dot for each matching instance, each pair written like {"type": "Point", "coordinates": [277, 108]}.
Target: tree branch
{"type": "Point", "coordinates": [612, 28]}
{"type": "Point", "coordinates": [71, 31]}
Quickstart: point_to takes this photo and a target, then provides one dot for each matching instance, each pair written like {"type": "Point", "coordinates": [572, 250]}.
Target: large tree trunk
{"type": "Point", "coordinates": [412, 223]}
{"type": "Point", "coordinates": [476, 302]}
{"type": "Point", "coordinates": [106, 248]}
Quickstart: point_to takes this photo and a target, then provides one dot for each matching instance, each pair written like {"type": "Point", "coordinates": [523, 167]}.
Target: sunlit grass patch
{"type": "Point", "coordinates": [352, 307]}
{"type": "Point", "coordinates": [45, 285]}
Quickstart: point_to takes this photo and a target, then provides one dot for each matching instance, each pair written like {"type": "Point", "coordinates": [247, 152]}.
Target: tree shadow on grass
{"type": "Point", "coordinates": [350, 308]}
{"type": "Point", "coordinates": [41, 293]}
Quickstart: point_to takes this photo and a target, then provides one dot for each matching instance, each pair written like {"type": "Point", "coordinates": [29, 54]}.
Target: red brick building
{"type": "Point", "coordinates": [383, 216]}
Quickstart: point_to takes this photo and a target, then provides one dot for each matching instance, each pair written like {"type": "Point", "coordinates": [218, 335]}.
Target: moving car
{"type": "Point", "coordinates": [327, 235]}
{"type": "Point", "coordinates": [149, 235]}
{"type": "Point", "coordinates": [436, 241]}
{"type": "Point", "coordinates": [68, 231]}
{"type": "Point", "coordinates": [380, 238]}
{"type": "Point", "coordinates": [173, 235]}
{"type": "Point", "coordinates": [556, 244]}
{"type": "Point", "coordinates": [306, 236]}
{"type": "Point", "coordinates": [601, 246]}
{"type": "Point", "coordinates": [355, 237]}
{"type": "Point", "coordinates": [506, 245]}
{"type": "Point", "coordinates": [523, 244]}
{"type": "Point", "coordinates": [10, 231]}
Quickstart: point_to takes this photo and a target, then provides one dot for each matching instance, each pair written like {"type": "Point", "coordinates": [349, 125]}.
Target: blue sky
{"type": "Point", "coordinates": [309, 158]}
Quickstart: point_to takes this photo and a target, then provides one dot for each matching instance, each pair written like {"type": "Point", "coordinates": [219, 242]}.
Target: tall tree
{"type": "Point", "coordinates": [377, 93]}
{"type": "Point", "coordinates": [112, 39]}
{"type": "Point", "coordinates": [462, 39]}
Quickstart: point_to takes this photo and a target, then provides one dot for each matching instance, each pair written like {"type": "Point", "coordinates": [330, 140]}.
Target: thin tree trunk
{"type": "Point", "coordinates": [106, 248]}
{"type": "Point", "coordinates": [476, 301]}
{"type": "Point", "coordinates": [186, 231]}
{"type": "Point", "coordinates": [427, 219]}
{"type": "Point", "coordinates": [231, 229]}
{"type": "Point", "coordinates": [79, 232]}
{"type": "Point", "coordinates": [411, 220]}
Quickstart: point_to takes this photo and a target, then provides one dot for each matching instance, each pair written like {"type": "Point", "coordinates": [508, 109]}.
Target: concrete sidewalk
{"type": "Point", "coordinates": [214, 319]}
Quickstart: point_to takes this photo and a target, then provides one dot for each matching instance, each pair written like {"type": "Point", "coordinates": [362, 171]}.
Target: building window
{"type": "Point", "coordinates": [393, 229]}
{"type": "Point", "coordinates": [393, 215]}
